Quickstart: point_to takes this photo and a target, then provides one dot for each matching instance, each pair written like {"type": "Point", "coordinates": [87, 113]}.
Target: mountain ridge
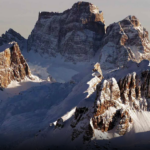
{"type": "Point", "coordinates": [104, 101]}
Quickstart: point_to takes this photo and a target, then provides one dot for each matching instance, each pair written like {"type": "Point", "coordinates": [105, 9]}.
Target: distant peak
{"type": "Point", "coordinates": [12, 31]}
{"type": "Point", "coordinates": [15, 34]}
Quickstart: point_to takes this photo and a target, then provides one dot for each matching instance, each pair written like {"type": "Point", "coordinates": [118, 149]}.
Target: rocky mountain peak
{"type": "Point", "coordinates": [130, 20]}
{"type": "Point", "coordinates": [11, 36]}
{"type": "Point", "coordinates": [88, 8]}
{"type": "Point", "coordinates": [116, 99]}
{"type": "Point", "coordinates": [125, 40]}
{"type": "Point", "coordinates": [15, 34]}
{"type": "Point", "coordinates": [13, 66]}
{"type": "Point", "coordinates": [75, 34]}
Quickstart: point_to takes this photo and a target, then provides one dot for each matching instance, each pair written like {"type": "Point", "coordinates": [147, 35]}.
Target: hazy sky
{"type": "Point", "coordinates": [21, 15]}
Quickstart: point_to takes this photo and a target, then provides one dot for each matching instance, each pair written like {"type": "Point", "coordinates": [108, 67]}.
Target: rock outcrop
{"type": "Point", "coordinates": [75, 34]}
{"type": "Point", "coordinates": [98, 76]}
{"type": "Point", "coordinates": [13, 66]}
{"type": "Point", "coordinates": [59, 123]}
{"type": "Point", "coordinates": [125, 40]}
{"type": "Point", "coordinates": [81, 121]}
{"type": "Point", "coordinates": [117, 98]}
{"type": "Point", "coordinates": [81, 124]}
{"type": "Point", "coordinates": [11, 36]}
{"type": "Point", "coordinates": [109, 109]}
{"type": "Point", "coordinates": [135, 90]}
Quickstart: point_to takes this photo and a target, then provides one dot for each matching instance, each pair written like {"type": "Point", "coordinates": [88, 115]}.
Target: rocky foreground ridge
{"type": "Point", "coordinates": [116, 100]}
{"type": "Point", "coordinates": [13, 66]}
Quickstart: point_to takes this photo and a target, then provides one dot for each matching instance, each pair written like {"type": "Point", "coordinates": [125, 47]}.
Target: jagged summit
{"type": "Point", "coordinates": [11, 36]}
{"type": "Point", "coordinates": [78, 8]}
{"type": "Point", "coordinates": [125, 40]}
{"type": "Point", "coordinates": [131, 20]}
{"type": "Point", "coordinates": [74, 34]}
{"type": "Point", "coordinates": [86, 7]}
{"type": "Point", "coordinates": [13, 32]}
{"type": "Point", "coordinates": [13, 66]}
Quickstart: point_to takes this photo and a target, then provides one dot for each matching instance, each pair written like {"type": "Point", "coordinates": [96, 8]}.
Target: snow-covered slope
{"type": "Point", "coordinates": [56, 67]}
{"type": "Point", "coordinates": [38, 107]}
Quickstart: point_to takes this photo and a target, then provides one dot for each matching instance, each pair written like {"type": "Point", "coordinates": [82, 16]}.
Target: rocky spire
{"type": "Point", "coordinates": [13, 66]}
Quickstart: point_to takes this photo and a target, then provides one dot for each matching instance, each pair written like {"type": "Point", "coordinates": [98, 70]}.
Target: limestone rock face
{"type": "Point", "coordinates": [125, 40]}
{"type": "Point", "coordinates": [115, 101]}
{"type": "Point", "coordinates": [74, 34]}
{"type": "Point", "coordinates": [11, 36]}
{"type": "Point", "coordinates": [81, 121]}
{"type": "Point", "coordinates": [109, 109]}
{"type": "Point", "coordinates": [135, 90]}
{"type": "Point", "coordinates": [13, 66]}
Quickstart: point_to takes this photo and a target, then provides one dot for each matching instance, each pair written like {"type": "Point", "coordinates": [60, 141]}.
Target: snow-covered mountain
{"type": "Point", "coordinates": [12, 35]}
{"type": "Point", "coordinates": [125, 40]}
{"type": "Point", "coordinates": [74, 34]}
{"type": "Point", "coordinates": [94, 91]}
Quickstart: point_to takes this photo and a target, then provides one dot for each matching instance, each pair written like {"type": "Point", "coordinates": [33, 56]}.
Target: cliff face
{"type": "Point", "coordinates": [125, 40]}
{"type": "Point", "coordinates": [110, 112]}
{"type": "Point", "coordinates": [74, 34]}
{"type": "Point", "coordinates": [117, 100]}
{"type": "Point", "coordinates": [11, 36]}
{"type": "Point", "coordinates": [13, 66]}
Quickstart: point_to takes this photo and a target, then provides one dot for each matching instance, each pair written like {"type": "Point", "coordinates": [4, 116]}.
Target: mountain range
{"type": "Point", "coordinates": [76, 83]}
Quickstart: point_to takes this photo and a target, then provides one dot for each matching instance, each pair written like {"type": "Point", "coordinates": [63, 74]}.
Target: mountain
{"type": "Point", "coordinates": [11, 36]}
{"type": "Point", "coordinates": [99, 96]}
{"type": "Point", "coordinates": [121, 107]}
{"type": "Point", "coordinates": [13, 66]}
{"type": "Point", "coordinates": [117, 110]}
{"type": "Point", "coordinates": [74, 34]}
{"type": "Point", "coordinates": [125, 40]}
{"type": "Point", "coordinates": [121, 96]}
